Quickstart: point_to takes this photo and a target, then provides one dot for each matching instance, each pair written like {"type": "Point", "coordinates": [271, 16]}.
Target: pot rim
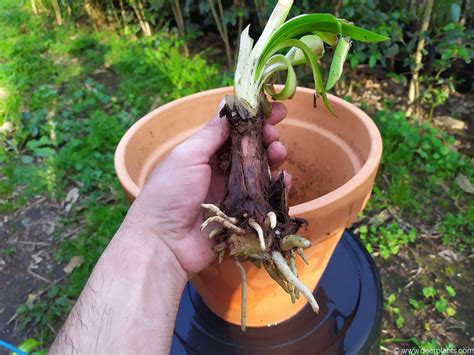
{"type": "Point", "coordinates": [369, 166]}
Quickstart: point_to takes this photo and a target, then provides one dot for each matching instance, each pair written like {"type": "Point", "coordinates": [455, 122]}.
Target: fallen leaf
{"type": "Point", "coordinates": [75, 261]}
{"type": "Point", "coordinates": [449, 122]}
{"type": "Point", "coordinates": [49, 227]}
{"type": "Point", "coordinates": [36, 259]}
{"type": "Point", "coordinates": [450, 255]}
{"type": "Point", "coordinates": [71, 198]}
{"type": "Point", "coordinates": [464, 183]}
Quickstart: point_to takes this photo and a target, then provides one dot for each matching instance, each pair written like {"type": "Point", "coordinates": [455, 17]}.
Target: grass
{"type": "Point", "coordinates": [68, 94]}
{"type": "Point", "coordinates": [418, 210]}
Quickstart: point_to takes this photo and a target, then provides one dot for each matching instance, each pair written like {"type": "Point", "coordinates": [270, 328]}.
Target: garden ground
{"type": "Point", "coordinates": [69, 94]}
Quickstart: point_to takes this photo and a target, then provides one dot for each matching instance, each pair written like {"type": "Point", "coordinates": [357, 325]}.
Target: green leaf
{"type": "Point", "coordinates": [400, 322]}
{"type": "Point", "coordinates": [372, 60]}
{"type": "Point", "coordinates": [448, 53]}
{"type": "Point", "coordinates": [416, 304]}
{"type": "Point", "coordinates": [297, 26]}
{"type": "Point", "coordinates": [290, 85]}
{"type": "Point", "coordinates": [441, 305]}
{"type": "Point", "coordinates": [464, 54]}
{"type": "Point", "coordinates": [311, 58]}
{"type": "Point", "coordinates": [455, 12]}
{"type": "Point", "coordinates": [384, 252]}
{"type": "Point", "coordinates": [450, 291]}
{"type": "Point", "coordinates": [354, 61]}
{"type": "Point", "coordinates": [44, 152]}
{"type": "Point", "coordinates": [29, 344]}
{"type": "Point", "coordinates": [327, 37]}
{"type": "Point", "coordinates": [450, 311]}
{"type": "Point", "coordinates": [314, 43]}
{"type": "Point", "coordinates": [429, 292]}
{"type": "Point", "coordinates": [394, 249]}
{"type": "Point", "coordinates": [391, 51]}
{"type": "Point", "coordinates": [338, 59]}
{"type": "Point", "coordinates": [26, 159]}
{"type": "Point", "coordinates": [360, 34]}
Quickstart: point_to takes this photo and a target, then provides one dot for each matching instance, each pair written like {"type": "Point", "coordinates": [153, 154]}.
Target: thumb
{"type": "Point", "coordinates": [206, 141]}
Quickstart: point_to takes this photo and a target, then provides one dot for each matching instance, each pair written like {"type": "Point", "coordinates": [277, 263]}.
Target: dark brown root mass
{"type": "Point", "coordinates": [254, 224]}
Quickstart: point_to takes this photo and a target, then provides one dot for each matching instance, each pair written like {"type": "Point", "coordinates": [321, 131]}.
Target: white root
{"type": "Point", "coordinates": [283, 267]}
{"type": "Point", "coordinates": [225, 223]}
{"type": "Point", "coordinates": [216, 232]}
{"type": "Point", "coordinates": [275, 276]}
{"type": "Point", "coordinates": [294, 241]}
{"type": "Point", "coordinates": [259, 231]}
{"type": "Point", "coordinates": [272, 218]}
{"type": "Point", "coordinates": [301, 254]}
{"type": "Point", "coordinates": [243, 306]}
{"type": "Point", "coordinates": [295, 271]}
{"type": "Point", "coordinates": [217, 212]}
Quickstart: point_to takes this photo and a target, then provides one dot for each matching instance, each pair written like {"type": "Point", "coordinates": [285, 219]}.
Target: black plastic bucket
{"type": "Point", "coordinates": [350, 299]}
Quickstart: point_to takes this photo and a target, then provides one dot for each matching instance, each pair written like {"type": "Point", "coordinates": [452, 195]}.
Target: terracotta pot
{"type": "Point", "coordinates": [333, 161]}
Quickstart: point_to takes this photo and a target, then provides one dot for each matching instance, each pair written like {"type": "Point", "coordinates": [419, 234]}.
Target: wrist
{"type": "Point", "coordinates": [136, 287]}
{"type": "Point", "coordinates": [150, 253]}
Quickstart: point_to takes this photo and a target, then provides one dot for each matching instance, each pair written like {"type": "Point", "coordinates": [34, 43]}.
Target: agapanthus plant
{"type": "Point", "coordinates": [253, 220]}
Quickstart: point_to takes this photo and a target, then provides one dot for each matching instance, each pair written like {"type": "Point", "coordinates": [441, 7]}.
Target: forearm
{"type": "Point", "coordinates": [130, 302]}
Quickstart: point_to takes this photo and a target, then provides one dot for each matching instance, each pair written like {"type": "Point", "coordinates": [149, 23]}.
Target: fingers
{"type": "Point", "coordinates": [202, 145]}
{"type": "Point", "coordinates": [277, 154]}
{"type": "Point", "coordinates": [276, 151]}
{"type": "Point", "coordinates": [205, 142]}
{"type": "Point", "coordinates": [287, 178]}
{"type": "Point", "coordinates": [270, 134]}
{"type": "Point", "coordinates": [278, 113]}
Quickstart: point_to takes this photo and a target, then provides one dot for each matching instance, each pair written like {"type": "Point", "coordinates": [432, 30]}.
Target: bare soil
{"type": "Point", "coordinates": [28, 240]}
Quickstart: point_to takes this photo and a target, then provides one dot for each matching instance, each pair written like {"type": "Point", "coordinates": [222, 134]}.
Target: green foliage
{"type": "Point", "coordinates": [30, 344]}
{"type": "Point", "coordinates": [387, 240]}
{"type": "Point", "coordinates": [439, 300]}
{"type": "Point", "coordinates": [419, 164]}
{"type": "Point", "coordinates": [429, 292]}
{"type": "Point", "coordinates": [417, 305]}
{"type": "Point", "coordinates": [451, 292]}
{"type": "Point", "coordinates": [391, 308]}
{"type": "Point", "coordinates": [8, 252]}
{"type": "Point", "coordinates": [458, 227]}
{"type": "Point", "coordinates": [452, 43]}
{"type": "Point", "coordinates": [70, 95]}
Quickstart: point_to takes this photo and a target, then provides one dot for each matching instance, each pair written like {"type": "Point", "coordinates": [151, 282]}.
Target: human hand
{"type": "Point", "coordinates": [136, 284]}
{"type": "Point", "coordinates": [169, 205]}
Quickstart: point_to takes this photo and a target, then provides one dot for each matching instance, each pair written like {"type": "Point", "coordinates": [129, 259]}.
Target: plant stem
{"type": "Point", "coordinates": [33, 6]}
{"type": "Point", "coordinates": [222, 28]}
{"type": "Point", "coordinates": [249, 178]}
{"type": "Point", "coordinates": [57, 12]}
{"type": "Point", "coordinates": [178, 16]}
{"type": "Point", "coordinates": [413, 91]}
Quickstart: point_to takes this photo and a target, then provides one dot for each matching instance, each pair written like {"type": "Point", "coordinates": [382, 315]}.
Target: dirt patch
{"type": "Point", "coordinates": [427, 263]}
{"type": "Point", "coordinates": [27, 267]}
{"type": "Point", "coordinates": [376, 90]}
